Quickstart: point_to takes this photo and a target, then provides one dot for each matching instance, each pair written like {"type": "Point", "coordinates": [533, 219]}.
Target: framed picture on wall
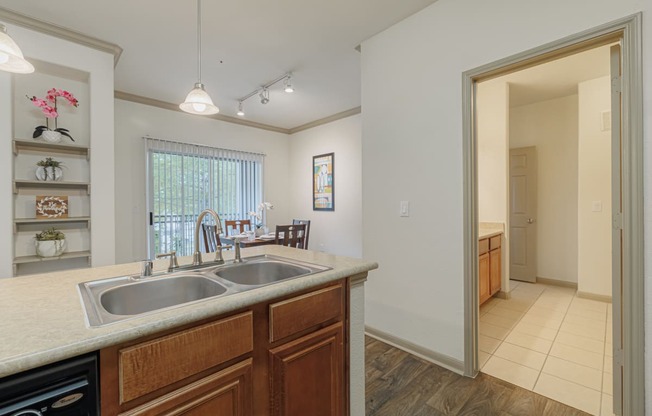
{"type": "Point", "coordinates": [323, 182]}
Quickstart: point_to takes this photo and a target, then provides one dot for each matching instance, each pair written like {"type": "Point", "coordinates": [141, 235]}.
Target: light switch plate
{"type": "Point", "coordinates": [405, 209]}
{"type": "Point", "coordinates": [596, 206]}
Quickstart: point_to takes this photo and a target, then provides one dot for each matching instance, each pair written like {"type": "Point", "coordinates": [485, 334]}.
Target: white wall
{"type": "Point", "coordinates": [99, 66]}
{"type": "Point", "coordinates": [340, 231]}
{"type": "Point", "coordinates": [412, 149]}
{"type": "Point", "coordinates": [492, 107]}
{"type": "Point", "coordinates": [133, 121]}
{"type": "Point", "coordinates": [594, 180]}
{"type": "Point", "coordinates": [551, 126]}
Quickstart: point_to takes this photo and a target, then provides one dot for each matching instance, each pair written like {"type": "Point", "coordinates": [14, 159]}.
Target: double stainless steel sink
{"type": "Point", "coordinates": [123, 297]}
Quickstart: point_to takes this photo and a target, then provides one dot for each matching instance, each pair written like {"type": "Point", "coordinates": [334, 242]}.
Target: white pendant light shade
{"type": "Point", "coordinates": [199, 102]}
{"type": "Point", "coordinates": [11, 57]}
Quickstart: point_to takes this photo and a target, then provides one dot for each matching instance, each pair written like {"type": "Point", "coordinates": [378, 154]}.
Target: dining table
{"type": "Point", "coordinates": [245, 242]}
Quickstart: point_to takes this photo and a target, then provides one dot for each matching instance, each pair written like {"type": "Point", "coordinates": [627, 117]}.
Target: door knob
{"type": "Point", "coordinates": [530, 220]}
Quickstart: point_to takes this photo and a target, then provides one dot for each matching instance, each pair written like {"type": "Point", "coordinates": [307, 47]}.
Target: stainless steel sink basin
{"type": "Point", "coordinates": [123, 297]}
{"type": "Point", "coordinates": [118, 298]}
{"type": "Point", "coordinates": [261, 273]}
{"type": "Point", "coordinates": [150, 295]}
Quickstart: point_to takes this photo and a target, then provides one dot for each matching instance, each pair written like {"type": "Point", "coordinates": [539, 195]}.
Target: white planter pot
{"type": "Point", "coordinates": [51, 136]}
{"type": "Point", "coordinates": [48, 173]}
{"type": "Point", "coordinates": [50, 248]}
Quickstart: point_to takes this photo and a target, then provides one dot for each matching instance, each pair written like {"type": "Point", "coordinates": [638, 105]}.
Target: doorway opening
{"type": "Point", "coordinates": [626, 203]}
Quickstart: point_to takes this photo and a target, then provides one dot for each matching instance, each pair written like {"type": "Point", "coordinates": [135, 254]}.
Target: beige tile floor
{"type": "Point", "coordinates": [548, 340]}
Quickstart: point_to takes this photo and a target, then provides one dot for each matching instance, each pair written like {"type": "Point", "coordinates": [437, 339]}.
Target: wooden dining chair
{"type": "Point", "coordinates": [237, 225]}
{"type": "Point", "coordinates": [211, 239]}
{"type": "Point", "coordinates": [307, 224]}
{"type": "Point", "coordinates": [293, 235]}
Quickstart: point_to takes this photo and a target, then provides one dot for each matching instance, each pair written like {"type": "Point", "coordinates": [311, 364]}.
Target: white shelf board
{"type": "Point", "coordinates": [36, 259]}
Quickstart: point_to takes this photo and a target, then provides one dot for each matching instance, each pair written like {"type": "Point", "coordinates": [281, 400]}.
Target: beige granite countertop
{"type": "Point", "coordinates": [490, 229]}
{"type": "Point", "coordinates": [42, 319]}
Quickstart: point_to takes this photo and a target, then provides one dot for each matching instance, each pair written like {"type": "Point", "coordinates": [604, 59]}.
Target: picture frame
{"type": "Point", "coordinates": [51, 207]}
{"type": "Point", "coordinates": [323, 182]}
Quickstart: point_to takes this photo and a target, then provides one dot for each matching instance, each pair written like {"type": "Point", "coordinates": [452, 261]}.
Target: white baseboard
{"type": "Point", "coordinates": [593, 296]}
{"type": "Point", "coordinates": [434, 357]}
{"type": "Point", "coordinates": [555, 282]}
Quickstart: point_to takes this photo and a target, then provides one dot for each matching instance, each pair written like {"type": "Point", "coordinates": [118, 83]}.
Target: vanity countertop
{"type": "Point", "coordinates": [42, 318]}
{"type": "Point", "coordinates": [490, 229]}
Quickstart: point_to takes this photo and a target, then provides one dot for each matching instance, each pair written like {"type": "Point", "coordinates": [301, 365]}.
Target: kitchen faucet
{"type": "Point", "coordinates": [196, 257]}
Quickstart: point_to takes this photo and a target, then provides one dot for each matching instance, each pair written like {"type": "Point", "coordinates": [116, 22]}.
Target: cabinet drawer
{"type": "Point", "coordinates": [302, 312]}
{"type": "Point", "coordinates": [494, 242]}
{"type": "Point", "coordinates": [483, 246]}
{"type": "Point", "coordinates": [149, 366]}
{"type": "Point", "coordinates": [228, 392]}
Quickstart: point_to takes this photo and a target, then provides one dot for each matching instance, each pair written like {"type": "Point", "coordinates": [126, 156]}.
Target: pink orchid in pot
{"type": "Point", "coordinates": [49, 108]}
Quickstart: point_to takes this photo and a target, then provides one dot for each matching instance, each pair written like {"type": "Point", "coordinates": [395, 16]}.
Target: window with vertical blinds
{"type": "Point", "coordinates": [183, 179]}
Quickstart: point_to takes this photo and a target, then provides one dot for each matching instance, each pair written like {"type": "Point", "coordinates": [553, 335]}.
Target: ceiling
{"type": "Point", "coordinates": [245, 44]}
{"type": "Point", "coordinates": [557, 78]}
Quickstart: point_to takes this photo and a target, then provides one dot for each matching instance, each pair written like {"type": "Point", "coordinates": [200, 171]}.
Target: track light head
{"type": "Point", "coordinates": [288, 84]}
{"type": "Point", "coordinates": [240, 111]}
{"type": "Point", "coordinates": [264, 96]}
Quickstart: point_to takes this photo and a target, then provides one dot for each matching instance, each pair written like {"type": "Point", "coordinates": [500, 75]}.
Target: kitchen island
{"type": "Point", "coordinates": [43, 320]}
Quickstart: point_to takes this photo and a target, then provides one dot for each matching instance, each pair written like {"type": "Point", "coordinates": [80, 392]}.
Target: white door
{"type": "Point", "coordinates": [523, 214]}
{"type": "Point", "coordinates": [617, 231]}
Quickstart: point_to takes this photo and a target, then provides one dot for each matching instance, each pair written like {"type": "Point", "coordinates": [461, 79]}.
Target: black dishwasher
{"type": "Point", "coordinates": [65, 388]}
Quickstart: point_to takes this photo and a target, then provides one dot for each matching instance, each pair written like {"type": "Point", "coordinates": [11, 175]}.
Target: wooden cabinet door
{"type": "Point", "coordinates": [226, 393]}
{"type": "Point", "coordinates": [495, 270]}
{"type": "Point", "coordinates": [307, 375]}
{"type": "Point", "coordinates": [483, 275]}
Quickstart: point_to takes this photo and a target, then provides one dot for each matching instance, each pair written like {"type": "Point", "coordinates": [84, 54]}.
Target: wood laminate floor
{"type": "Point", "coordinates": [400, 384]}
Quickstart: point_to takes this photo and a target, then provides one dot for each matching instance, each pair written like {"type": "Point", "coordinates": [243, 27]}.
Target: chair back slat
{"type": "Point", "coordinates": [211, 239]}
{"type": "Point", "coordinates": [238, 225]}
{"type": "Point", "coordinates": [307, 224]}
{"type": "Point", "coordinates": [293, 235]}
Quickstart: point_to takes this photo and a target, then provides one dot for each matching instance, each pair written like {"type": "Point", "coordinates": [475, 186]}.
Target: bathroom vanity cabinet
{"type": "Point", "coordinates": [489, 267]}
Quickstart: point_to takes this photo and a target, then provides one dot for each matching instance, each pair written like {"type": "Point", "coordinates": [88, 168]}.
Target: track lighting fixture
{"type": "Point", "coordinates": [11, 57]}
{"type": "Point", "coordinates": [264, 96]}
{"type": "Point", "coordinates": [198, 101]}
{"type": "Point", "coordinates": [263, 91]}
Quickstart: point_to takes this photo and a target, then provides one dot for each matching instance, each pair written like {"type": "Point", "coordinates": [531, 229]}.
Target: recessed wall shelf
{"type": "Point", "coordinates": [20, 183]}
{"type": "Point", "coordinates": [28, 221]}
{"type": "Point", "coordinates": [67, 255]}
{"type": "Point", "coordinates": [19, 144]}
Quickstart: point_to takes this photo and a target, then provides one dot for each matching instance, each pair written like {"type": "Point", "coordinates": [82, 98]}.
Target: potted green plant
{"type": "Point", "coordinates": [49, 169]}
{"type": "Point", "coordinates": [50, 243]}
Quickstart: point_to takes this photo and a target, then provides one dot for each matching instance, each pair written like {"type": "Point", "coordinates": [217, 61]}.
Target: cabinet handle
{"type": "Point", "coordinates": [530, 220]}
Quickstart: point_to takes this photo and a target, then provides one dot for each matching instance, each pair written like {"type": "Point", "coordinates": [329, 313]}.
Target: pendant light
{"type": "Point", "coordinates": [11, 57]}
{"type": "Point", "coordinates": [198, 101]}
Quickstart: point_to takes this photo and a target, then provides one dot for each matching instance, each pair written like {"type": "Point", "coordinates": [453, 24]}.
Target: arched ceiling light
{"type": "Point", "coordinates": [198, 101]}
{"type": "Point", "coordinates": [11, 57]}
{"type": "Point", "coordinates": [240, 111]}
{"type": "Point", "coordinates": [264, 96]}
{"type": "Point", "coordinates": [288, 84]}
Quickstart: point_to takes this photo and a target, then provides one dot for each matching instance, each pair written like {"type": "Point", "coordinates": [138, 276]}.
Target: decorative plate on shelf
{"type": "Point", "coordinates": [49, 174]}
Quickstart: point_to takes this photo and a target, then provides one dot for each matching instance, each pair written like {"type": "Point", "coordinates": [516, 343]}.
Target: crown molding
{"type": "Point", "coordinates": [61, 32]}
{"type": "Point", "coordinates": [326, 120]}
{"type": "Point", "coordinates": [121, 95]}
{"type": "Point", "coordinates": [175, 107]}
